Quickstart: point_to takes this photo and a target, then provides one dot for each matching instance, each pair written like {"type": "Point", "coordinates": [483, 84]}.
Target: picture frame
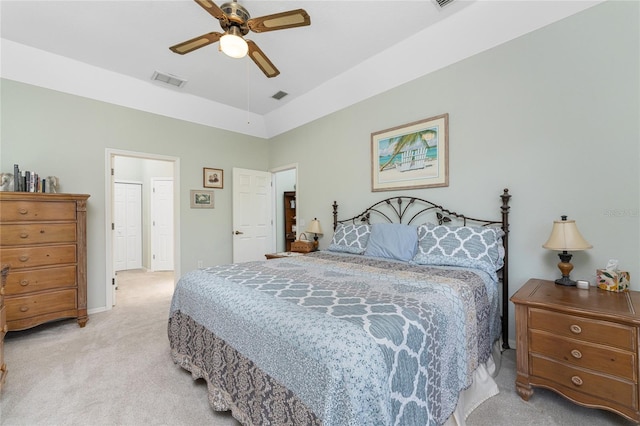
{"type": "Point", "coordinates": [411, 156]}
{"type": "Point", "coordinates": [201, 199]}
{"type": "Point", "coordinates": [212, 178]}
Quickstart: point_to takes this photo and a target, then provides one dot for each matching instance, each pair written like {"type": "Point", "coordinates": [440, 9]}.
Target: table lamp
{"type": "Point", "coordinates": [565, 237]}
{"type": "Point", "coordinates": [315, 229]}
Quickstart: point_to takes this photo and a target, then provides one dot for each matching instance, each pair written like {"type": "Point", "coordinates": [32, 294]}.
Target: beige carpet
{"type": "Point", "coordinates": [117, 371]}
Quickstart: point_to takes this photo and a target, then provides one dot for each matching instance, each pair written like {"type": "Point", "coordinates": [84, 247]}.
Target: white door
{"type": "Point", "coordinates": [162, 225]}
{"type": "Point", "coordinates": [252, 234]}
{"type": "Point", "coordinates": [127, 226]}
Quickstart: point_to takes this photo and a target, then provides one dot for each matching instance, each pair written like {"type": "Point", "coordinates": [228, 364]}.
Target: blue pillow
{"type": "Point", "coordinates": [468, 246]}
{"type": "Point", "coordinates": [392, 241]}
{"type": "Point", "coordinates": [349, 238]}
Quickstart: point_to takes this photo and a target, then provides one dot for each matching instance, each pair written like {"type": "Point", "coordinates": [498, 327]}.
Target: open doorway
{"type": "Point", "coordinates": [285, 203]}
{"type": "Point", "coordinates": [157, 215]}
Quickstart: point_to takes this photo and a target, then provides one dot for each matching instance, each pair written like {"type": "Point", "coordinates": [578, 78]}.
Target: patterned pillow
{"type": "Point", "coordinates": [469, 246]}
{"type": "Point", "coordinates": [349, 238]}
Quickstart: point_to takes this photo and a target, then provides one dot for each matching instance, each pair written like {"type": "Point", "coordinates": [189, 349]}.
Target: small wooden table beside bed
{"type": "Point", "coordinates": [395, 323]}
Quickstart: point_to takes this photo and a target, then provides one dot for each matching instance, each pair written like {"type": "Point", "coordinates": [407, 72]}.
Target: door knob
{"type": "Point", "coordinates": [238, 232]}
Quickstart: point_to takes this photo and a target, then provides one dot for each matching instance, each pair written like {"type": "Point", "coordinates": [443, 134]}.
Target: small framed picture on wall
{"type": "Point", "coordinates": [201, 199]}
{"type": "Point", "coordinates": [212, 178]}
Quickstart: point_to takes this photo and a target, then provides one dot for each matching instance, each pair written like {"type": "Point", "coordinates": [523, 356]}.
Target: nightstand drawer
{"type": "Point", "coordinates": [593, 384]}
{"type": "Point", "coordinates": [596, 331]}
{"type": "Point", "coordinates": [30, 233]}
{"type": "Point", "coordinates": [586, 355]}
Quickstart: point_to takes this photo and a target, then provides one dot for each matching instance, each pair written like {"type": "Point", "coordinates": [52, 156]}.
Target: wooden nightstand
{"type": "Point", "coordinates": [283, 254]}
{"type": "Point", "coordinates": [582, 344]}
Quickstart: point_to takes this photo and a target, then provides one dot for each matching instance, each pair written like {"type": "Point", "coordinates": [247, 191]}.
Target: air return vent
{"type": "Point", "coordinates": [169, 79]}
{"type": "Point", "coordinates": [442, 3]}
{"type": "Point", "coordinates": [279, 95]}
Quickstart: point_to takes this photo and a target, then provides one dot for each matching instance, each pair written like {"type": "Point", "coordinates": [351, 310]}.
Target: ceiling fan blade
{"type": "Point", "coordinates": [279, 21]}
{"type": "Point", "coordinates": [212, 8]}
{"type": "Point", "coordinates": [196, 43]}
{"type": "Point", "coordinates": [261, 60]}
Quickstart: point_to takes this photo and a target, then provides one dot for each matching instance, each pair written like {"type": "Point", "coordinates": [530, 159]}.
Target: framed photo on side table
{"type": "Point", "coordinates": [201, 199]}
{"type": "Point", "coordinates": [212, 178]}
{"type": "Point", "coordinates": [414, 155]}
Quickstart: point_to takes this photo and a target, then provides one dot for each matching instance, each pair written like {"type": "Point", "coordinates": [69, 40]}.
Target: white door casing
{"type": "Point", "coordinates": [252, 221]}
{"type": "Point", "coordinates": [161, 224]}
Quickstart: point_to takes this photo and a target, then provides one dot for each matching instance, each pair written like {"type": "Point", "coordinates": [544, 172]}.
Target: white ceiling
{"type": "Point", "coordinates": [352, 50]}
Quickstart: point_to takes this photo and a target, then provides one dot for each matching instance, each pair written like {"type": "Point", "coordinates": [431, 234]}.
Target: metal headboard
{"type": "Point", "coordinates": [413, 210]}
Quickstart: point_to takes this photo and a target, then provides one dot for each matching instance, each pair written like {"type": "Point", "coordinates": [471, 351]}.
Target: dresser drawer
{"type": "Point", "coordinates": [20, 282]}
{"type": "Point", "coordinates": [28, 257]}
{"type": "Point", "coordinates": [40, 304]}
{"type": "Point", "coordinates": [600, 358]}
{"type": "Point", "coordinates": [19, 210]}
{"type": "Point", "coordinates": [30, 233]}
{"type": "Point", "coordinates": [596, 331]}
{"type": "Point", "coordinates": [600, 386]}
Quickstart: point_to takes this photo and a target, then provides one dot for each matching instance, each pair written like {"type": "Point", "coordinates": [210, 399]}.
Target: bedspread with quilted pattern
{"type": "Point", "coordinates": [353, 340]}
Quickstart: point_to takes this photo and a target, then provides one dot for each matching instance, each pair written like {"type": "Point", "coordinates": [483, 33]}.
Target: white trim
{"type": "Point", "coordinates": [108, 195]}
{"type": "Point", "coordinates": [274, 213]}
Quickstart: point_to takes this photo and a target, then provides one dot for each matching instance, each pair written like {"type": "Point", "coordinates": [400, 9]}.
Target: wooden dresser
{"type": "Point", "coordinates": [582, 344]}
{"type": "Point", "coordinates": [43, 241]}
{"type": "Point", "coordinates": [3, 325]}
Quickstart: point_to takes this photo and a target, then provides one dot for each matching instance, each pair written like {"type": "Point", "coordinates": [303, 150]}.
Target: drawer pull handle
{"type": "Point", "coordinates": [22, 210]}
{"type": "Point", "coordinates": [24, 283]}
{"type": "Point", "coordinates": [576, 380]}
{"type": "Point", "coordinates": [24, 308]}
{"type": "Point", "coordinates": [575, 329]}
{"type": "Point", "coordinates": [576, 354]}
{"type": "Point", "coordinates": [5, 328]}
{"type": "Point", "coordinates": [1, 291]}
{"type": "Point", "coordinates": [23, 258]}
{"type": "Point", "coordinates": [24, 235]}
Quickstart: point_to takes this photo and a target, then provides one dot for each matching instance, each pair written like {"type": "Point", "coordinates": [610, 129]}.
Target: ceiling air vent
{"type": "Point", "coordinates": [279, 95]}
{"type": "Point", "coordinates": [442, 3]}
{"type": "Point", "coordinates": [169, 79]}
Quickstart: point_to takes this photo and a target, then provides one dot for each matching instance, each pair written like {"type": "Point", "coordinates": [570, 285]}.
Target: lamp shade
{"type": "Point", "coordinates": [232, 44]}
{"type": "Point", "coordinates": [566, 237]}
{"type": "Point", "coordinates": [314, 227]}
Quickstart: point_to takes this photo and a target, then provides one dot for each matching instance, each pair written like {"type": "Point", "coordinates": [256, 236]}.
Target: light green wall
{"type": "Point", "coordinates": [66, 136]}
{"type": "Point", "coordinates": [553, 116]}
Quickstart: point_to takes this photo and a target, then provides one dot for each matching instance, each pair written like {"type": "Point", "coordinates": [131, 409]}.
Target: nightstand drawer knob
{"type": "Point", "coordinates": [575, 329]}
{"type": "Point", "coordinates": [24, 283]}
{"type": "Point", "coordinates": [576, 380]}
{"type": "Point", "coordinates": [24, 308]}
{"type": "Point", "coordinates": [576, 354]}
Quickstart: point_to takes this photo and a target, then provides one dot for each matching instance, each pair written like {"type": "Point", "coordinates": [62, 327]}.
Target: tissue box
{"type": "Point", "coordinates": [613, 280]}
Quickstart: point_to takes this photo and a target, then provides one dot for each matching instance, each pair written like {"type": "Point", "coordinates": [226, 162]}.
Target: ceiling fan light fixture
{"type": "Point", "coordinates": [233, 45]}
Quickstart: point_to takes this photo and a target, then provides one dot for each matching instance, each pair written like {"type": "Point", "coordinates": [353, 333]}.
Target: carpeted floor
{"type": "Point", "coordinates": [117, 371]}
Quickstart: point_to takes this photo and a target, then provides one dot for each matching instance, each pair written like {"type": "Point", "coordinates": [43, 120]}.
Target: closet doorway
{"type": "Point", "coordinates": [285, 192]}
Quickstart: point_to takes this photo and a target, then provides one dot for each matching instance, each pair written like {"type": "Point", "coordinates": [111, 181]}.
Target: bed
{"type": "Point", "coordinates": [397, 322]}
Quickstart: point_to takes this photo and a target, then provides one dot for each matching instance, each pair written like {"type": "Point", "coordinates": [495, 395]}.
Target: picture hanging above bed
{"type": "Point", "coordinates": [414, 155]}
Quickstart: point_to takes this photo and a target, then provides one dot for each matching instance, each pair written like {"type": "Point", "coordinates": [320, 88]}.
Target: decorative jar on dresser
{"type": "Point", "coordinates": [43, 241]}
{"type": "Point", "coordinates": [580, 343]}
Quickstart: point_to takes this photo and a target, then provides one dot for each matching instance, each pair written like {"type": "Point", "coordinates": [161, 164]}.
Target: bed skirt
{"type": "Point", "coordinates": [236, 384]}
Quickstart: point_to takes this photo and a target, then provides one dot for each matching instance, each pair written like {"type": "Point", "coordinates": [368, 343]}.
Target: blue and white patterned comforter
{"type": "Point", "coordinates": [360, 341]}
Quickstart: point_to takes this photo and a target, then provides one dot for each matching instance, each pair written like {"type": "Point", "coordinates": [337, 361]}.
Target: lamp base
{"type": "Point", "coordinates": [565, 281]}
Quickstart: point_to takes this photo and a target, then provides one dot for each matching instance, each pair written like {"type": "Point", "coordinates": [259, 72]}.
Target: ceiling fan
{"type": "Point", "coordinates": [236, 23]}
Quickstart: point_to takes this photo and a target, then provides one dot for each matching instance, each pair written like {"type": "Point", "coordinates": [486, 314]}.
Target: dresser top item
{"type": "Point", "coordinates": [594, 302]}
{"type": "Point", "coordinates": [41, 196]}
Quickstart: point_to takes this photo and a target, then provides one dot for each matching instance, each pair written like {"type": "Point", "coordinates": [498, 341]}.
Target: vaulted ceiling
{"type": "Point", "coordinates": [109, 50]}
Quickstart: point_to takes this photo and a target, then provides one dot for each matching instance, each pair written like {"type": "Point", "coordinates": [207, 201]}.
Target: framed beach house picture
{"type": "Point", "coordinates": [414, 155]}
